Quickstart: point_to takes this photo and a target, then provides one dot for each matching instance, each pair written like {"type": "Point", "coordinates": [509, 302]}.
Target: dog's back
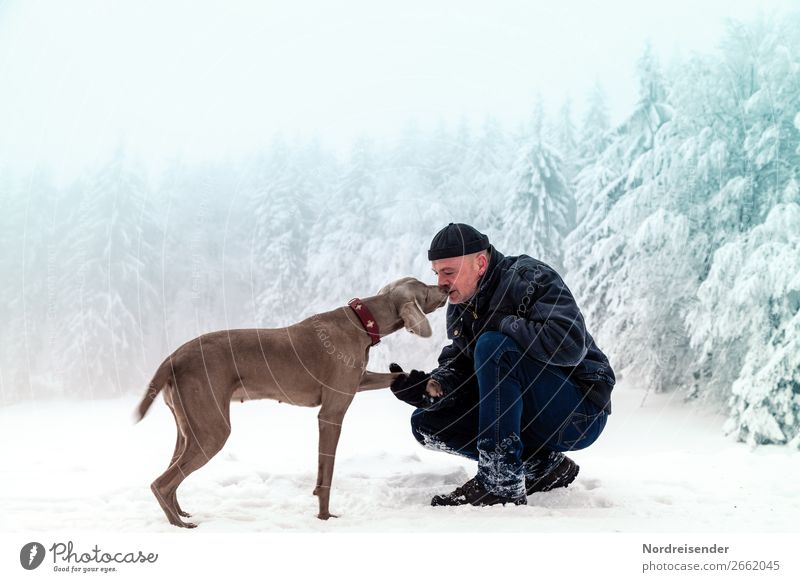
{"type": "Point", "coordinates": [289, 364]}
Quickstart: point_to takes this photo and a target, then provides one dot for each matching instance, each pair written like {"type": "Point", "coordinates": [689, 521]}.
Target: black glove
{"type": "Point", "coordinates": [410, 387]}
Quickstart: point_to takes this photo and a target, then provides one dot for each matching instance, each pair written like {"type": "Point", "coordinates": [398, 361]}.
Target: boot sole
{"type": "Point", "coordinates": [442, 501]}
{"type": "Point", "coordinates": [447, 501]}
{"type": "Point", "coordinates": [452, 503]}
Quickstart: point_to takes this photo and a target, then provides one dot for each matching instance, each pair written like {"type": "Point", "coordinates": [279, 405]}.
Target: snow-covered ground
{"type": "Point", "coordinates": [662, 467]}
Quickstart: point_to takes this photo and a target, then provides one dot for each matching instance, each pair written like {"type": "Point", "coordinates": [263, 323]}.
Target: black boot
{"type": "Point", "coordinates": [473, 493]}
{"type": "Point", "coordinates": [554, 471]}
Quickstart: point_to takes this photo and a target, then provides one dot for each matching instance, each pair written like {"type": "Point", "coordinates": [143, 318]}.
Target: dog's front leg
{"type": "Point", "coordinates": [376, 380]}
{"type": "Point", "coordinates": [330, 418]}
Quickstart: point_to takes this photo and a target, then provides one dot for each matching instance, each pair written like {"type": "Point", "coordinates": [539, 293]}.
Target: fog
{"type": "Point", "coordinates": [205, 80]}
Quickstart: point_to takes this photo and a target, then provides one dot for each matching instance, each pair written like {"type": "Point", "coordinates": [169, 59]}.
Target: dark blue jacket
{"type": "Point", "coordinates": [539, 313]}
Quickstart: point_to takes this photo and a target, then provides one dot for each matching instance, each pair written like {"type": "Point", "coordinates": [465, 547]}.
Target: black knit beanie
{"type": "Point", "coordinates": [457, 240]}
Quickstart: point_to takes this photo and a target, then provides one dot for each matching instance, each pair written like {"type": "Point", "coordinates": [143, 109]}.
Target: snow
{"type": "Point", "coordinates": [659, 466]}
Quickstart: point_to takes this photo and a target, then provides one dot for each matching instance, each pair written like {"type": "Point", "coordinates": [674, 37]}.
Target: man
{"type": "Point", "coordinates": [522, 380]}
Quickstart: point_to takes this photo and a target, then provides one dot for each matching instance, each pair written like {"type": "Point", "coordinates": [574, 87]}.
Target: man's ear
{"type": "Point", "coordinates": [483, 262]}
{"type": "Point", "coordinates": [414, 320]}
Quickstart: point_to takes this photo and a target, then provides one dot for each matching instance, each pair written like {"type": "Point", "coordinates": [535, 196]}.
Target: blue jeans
{"type": "Point", "coordinates": [515, 410]}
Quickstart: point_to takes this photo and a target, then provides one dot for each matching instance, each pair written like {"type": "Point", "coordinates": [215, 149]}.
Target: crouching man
{"type": "Point", "coordinates": [522, 380]}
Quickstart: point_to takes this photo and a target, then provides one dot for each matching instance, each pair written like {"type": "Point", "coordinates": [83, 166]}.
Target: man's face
{"type": "Point", "coordinates": [460, 275]}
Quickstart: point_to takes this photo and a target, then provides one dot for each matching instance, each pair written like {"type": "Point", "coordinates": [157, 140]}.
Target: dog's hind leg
{"type": "Point", "coordinates": [180, 446]}
{"type": "Point", "coordinates": [200, 446]}
{"type": "Point", "coordinates": [331, 415]}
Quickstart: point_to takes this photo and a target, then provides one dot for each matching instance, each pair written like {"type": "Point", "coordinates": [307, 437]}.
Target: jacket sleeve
{"type": "Point", "coordinates": [547, 324]}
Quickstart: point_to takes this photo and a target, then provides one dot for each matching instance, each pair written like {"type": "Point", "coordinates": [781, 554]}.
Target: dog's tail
{"type": "Point", "coordinates": [163, 376]}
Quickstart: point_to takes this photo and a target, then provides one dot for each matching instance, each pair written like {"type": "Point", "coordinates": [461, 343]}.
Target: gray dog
{"type": "Point", "coordinates": [319, 361]}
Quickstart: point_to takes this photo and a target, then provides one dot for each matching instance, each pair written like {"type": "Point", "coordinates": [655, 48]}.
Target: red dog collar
{"type": "Point", "coordinates": [367, 319]}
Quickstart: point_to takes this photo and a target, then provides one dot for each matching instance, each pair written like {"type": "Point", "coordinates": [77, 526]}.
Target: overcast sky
{"type": "Point", "coordinates": [205, 79]}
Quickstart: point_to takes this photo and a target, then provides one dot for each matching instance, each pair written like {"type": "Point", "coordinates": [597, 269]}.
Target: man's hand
{"type": "Point", "coordinates": [433, 388]}
{"type": "Point", "coordinates": [411, 387]}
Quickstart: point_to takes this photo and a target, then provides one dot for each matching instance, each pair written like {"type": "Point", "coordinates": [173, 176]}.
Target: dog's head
{"type": "Point", "coordinates": [412, 299]}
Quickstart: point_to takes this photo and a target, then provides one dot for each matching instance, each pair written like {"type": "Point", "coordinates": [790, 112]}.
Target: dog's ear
{"type": "Point", "coordinates": [414, 320]}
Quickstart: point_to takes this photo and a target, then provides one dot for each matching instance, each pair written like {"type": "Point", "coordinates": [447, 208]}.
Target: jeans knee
{"type": "Point", "coordinates": [488, 346]}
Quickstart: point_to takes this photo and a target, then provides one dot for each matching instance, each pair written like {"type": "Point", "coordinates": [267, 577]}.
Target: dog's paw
{"type": "Point", "coordinates": [326, 516]}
